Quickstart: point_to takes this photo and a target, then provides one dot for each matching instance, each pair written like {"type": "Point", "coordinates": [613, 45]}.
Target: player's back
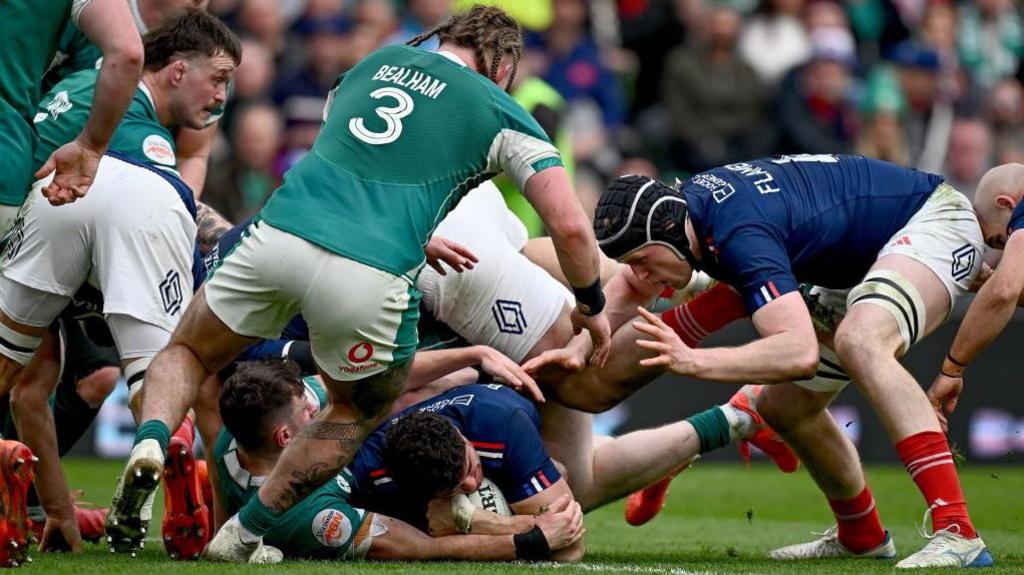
{"type": "Point", "coordinates": [406, 134]}
{"type": "Point", "coordinates": [29, 32]}
{"type": "Point", "coordinates": [832, 214]}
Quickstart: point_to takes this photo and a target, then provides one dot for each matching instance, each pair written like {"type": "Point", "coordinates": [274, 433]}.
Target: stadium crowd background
{"type": "Point", "coordinates": [662, 86]}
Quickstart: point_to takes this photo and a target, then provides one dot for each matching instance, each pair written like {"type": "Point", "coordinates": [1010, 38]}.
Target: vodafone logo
{"type": "Point", "coordinates": [360, 352]}
{"type": "Point", "coordinates": [158, 149]}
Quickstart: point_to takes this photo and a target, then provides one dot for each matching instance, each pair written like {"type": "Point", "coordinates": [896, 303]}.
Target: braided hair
{"type": "Point", "coordinates": [485, 30]}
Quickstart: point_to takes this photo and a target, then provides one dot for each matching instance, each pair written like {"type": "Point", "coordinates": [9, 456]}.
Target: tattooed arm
{"type": "Point", "coordinates": [210, 226]}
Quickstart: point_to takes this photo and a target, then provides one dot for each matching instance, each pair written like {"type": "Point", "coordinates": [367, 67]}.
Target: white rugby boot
{"type": "Point", "coordinates": [947, 548]}
{"type": "Point", "coordinates": [828, 546]}
{"type": "Point", "coordinates": [132, 507]}
{"type": "Point", "coordinates": [227, 545]}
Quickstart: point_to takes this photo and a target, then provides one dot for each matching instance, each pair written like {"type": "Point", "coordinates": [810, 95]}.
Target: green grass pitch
{"type": "Point", "coordinates": [719, 519]}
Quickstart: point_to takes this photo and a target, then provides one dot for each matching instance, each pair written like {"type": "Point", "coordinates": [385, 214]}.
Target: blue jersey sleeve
{"type": "Point", "coordinates": [1016, 219]}
{"type": "Point", "coordinates": [758, 265]}
{"type": "Point", "coordinates": [528, 468]}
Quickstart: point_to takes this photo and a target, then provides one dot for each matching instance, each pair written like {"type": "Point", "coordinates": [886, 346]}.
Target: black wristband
{"type": "Point", "coordinates": [590, 299]}
{"type": "Point", "coordinates": [532, 545]}
{"type": "Point", "coordinates": [482, 376]}
{"type": "Point", "coordinates": [953, 360]}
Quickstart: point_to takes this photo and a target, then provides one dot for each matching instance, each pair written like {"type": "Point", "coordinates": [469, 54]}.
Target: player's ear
{"type": "Point", "coordinates": [282, 436]}
{"type": "Point", "coordinates": [503, 69]}
{"type": "Point", "coordinates": [178, 70]}
{"type": "Point", "coordinates": [468, 484]}
{"type": "Point", "coordinates": [1006, 202]}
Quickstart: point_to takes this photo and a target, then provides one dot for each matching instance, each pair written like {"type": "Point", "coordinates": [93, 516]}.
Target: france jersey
{"type": "Point", "coordinates": [1016, 219]}
{"type": "Point", "coordinates": [768, 225]}
{"type": "Point", "coordinates": [502, 426]}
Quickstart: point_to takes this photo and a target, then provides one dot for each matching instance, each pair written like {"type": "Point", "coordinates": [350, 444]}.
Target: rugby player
{"type": "Point", "coordinates": [139, 259]}
{"type": "Point", "coordinates": [76, 53]}
{"type": "Point", "coordinates": [383, 137]}
{"type": "Point", "coordinates": [325, 525]}
{"type": "Point", "coordinates": [903, 243]}
{"type": "Point", "coordinates": [997, 201]}
{"type": "Point", "coordinates": [28, 43]}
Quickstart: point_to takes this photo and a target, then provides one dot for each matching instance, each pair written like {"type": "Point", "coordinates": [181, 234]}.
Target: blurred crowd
{"type": "Point", "coordinates": [666, 87]}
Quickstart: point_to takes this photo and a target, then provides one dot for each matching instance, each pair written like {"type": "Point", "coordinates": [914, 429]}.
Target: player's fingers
{"type": "Point", "coordinates": [660, 361]}
{"type": "Point", "coordinates": [653, 345]}
{"type": "Point", "coordinates": [644, 327]}
{"type": "Point", "coordinates": [546, 358]}
{"type": "Point", "coordinates": [463, 251]}
{"type": "Point", "coordinates": [79, 191]}
{"type": "Point", "coordinates": [47, 167]}
{"type": "Point", "coordinates": [652, 318]}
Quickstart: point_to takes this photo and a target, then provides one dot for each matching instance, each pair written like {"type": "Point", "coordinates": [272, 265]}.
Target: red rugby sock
{"type": "Point", "coordinates": [860, 530]}
{"type": "Point", "coordinates": [705, 314]}
{"type": "Point", "coordinates": [927, 458]}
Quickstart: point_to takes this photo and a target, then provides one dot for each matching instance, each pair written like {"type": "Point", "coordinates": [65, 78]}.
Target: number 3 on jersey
{"type": "Point", "coordinates": [392, 116]}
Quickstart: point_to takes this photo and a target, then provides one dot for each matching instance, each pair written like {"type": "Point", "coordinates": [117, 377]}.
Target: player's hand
{"type": "Point", "coordinates": [600, 334]}
{"type": "Point", "coordinates": [76, 166]}
{"type": "Point", "coordinates": [673, 354]}
{"type": "Point", "coordinates": [441, 518]}
{"type": "Point", "coordinates": [944, 393]}
{"type": "Point", "coordinates": [570, 358]}
{"type": "Point", "coordinates": [562, 524]}
{"type": "Point", "coordinates": [457, 256]}
{"type": "Point", "coordinates": [60, 535]}
{"type": "Point", "coordinates": [983, 275]}
{"type": "Point", "coordinates": [507, 372]}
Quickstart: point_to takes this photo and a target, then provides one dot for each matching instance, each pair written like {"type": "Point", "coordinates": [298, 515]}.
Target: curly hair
{"type": "Point", "coordinates": [486, 30]}
{"type": "Point", "coordinates": [424, 453]}
{"type": "Point", "coordinates": [255, 396]}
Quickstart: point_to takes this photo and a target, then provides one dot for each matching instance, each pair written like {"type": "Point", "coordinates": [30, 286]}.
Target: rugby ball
{"type": "Point", "coordinates": [489, 498]}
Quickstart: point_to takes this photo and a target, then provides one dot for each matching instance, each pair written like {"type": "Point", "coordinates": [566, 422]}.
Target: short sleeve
{"type": "Point", "coordinates": [528, 469]}
{"type": "Point", "coordinates": [77, 7]}
{"type": "Point", "coordinates": [1016, 219]}
{"type": "Point", "coordinates": [520, 147]}
{"type": "Point", "coordinates": [756, 263]}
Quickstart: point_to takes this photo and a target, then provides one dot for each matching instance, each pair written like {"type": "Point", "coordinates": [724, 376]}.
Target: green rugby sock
{"type": "Point", "coordinates": [256, 518]}
{"type": "Point", "coordinates": [712, 429]}
{"type": "Point", "coordinates": [154, 429]}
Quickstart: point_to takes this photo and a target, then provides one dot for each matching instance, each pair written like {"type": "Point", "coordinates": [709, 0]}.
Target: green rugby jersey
{"type": "Point", "coordinates": [406, 134]}
{"type": "Point", "coordinates": [29, 32]}
{"type": "Point", "coordinates": [64, 111]}
{"type": "Point", "coordinates": [322, 526]}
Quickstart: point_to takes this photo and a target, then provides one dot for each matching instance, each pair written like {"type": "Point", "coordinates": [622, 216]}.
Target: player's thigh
{"type": "Point", "coordinates": [506, 302]}
{"type": "Point", "coordinates": [203, 332]}
{"type": "Point", "coordinates": [259, 285]}
{"type": "Point", "coordinates": [785, 405]}
{"type": "Point", "coordinates": [47, 255]}
{"type": "Point", "coordinates": [569, 439]}
{"type": "Point", "coordinates": [362, 320]}
{"type": "Point", "coordinates": [918, 276]}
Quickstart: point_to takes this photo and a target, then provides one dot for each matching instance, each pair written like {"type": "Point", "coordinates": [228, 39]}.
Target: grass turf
{"type": "Point", "coordinates": [719, 519]}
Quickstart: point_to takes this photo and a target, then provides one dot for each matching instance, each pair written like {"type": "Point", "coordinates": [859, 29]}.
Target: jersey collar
{"type": "Point", "coordinates": [451, 56]}
{"type": "Point", "coordinates": [149, 95]}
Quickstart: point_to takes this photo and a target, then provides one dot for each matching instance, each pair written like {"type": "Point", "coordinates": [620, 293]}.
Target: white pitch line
{"type": "Point", "coordinates": [621, 568]}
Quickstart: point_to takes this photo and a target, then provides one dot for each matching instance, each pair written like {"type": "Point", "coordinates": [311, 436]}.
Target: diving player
{"type": "Point", "coordinates": [896, 246]}
{"type": "Point", "coordinates": [265, 404]}
{"type": "Point", "coordinates": [356, 213]}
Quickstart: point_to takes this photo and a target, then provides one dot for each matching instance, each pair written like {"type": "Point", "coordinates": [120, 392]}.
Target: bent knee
{"type": "Point", "coordinates": [98, 385]}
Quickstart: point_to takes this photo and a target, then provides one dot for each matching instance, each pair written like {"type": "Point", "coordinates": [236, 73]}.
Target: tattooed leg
{"type": "Point", "coordinates": [328, 443]}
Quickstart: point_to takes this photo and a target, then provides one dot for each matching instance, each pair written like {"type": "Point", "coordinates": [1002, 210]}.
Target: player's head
{"type": "Point", "coordinates": [998, 193]}
{"type": "Point", "coordinates": [190, 58]}
{"type": "Point", "coordinates": [425, 452]}
{"type": "Point", "coordinates": [263, 405]}
{"type": "Point", "coordinates": [641, 222]}
{"type": "Point", "coordinates": [492, 35]}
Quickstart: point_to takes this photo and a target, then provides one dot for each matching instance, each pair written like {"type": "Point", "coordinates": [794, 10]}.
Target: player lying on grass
{"type": "Point", "coordinates": [265, 404]}
{"type": "Point", "coordinates": [140, 259]}
{"type": "Point", "coordinates": [356, 214]}
{"type": "Point", "coordinates": [997, 201]}
{"type": "Point", "coordinates": [904, 244]}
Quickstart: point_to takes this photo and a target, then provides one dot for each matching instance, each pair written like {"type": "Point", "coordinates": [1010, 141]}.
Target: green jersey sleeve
{"type": "Point", "coordinates": [236, 484]}
{"type": "Point", "coordinates": [520, 147]}
{"type": "Point", "coordinates": [316, 393]}
{"type": "Point", "coordinates": [324, 525]}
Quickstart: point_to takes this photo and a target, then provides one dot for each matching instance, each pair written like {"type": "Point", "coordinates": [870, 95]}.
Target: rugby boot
{"type": "Point", "coordinates": [90, 523]}
{"type": "Point", "coordinates": [645, 504]}
{"type": "Point", "coordinates": [186, 523]}
{"type": "Point", "coordinates": [132, 507]}
{"type": "Point", "coordinates": [17, 469]}
{"type": "Point", "coordinates": [947, 548]}
{"type": "Point", "coordinates": [828, 546]}
{"type": "Point", "coordinates": [765, 437]}
{"type": "Point", "coordinates": [227, 545]}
